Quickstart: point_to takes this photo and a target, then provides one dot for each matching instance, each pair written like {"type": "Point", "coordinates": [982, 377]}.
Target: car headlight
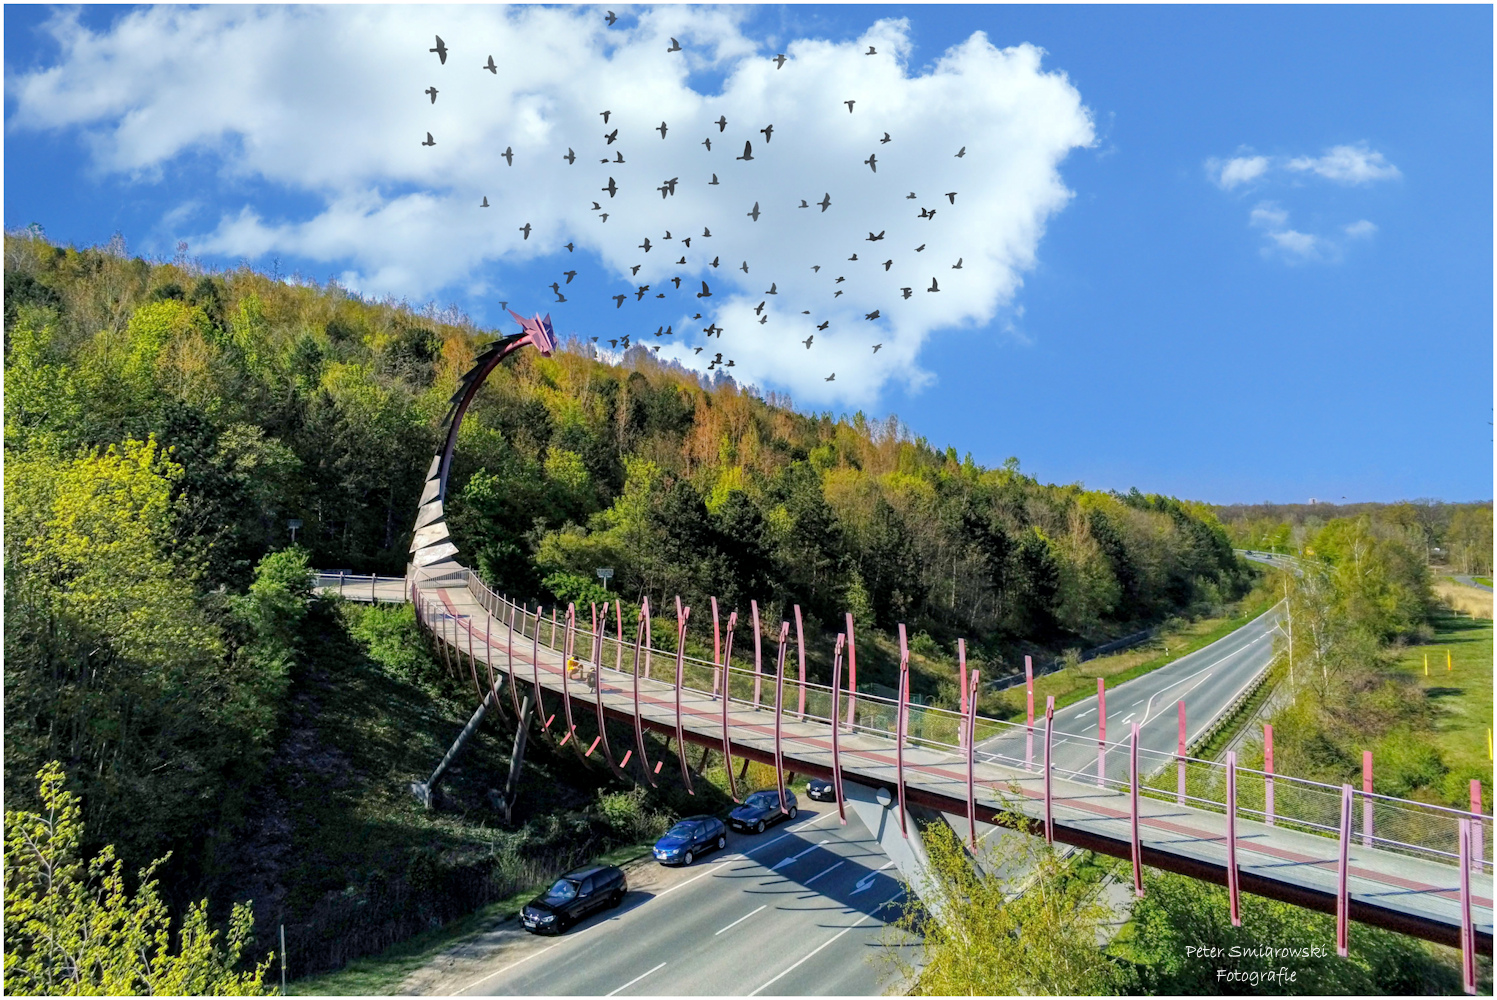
{"type": "Point", "coordinates": [548, 918]}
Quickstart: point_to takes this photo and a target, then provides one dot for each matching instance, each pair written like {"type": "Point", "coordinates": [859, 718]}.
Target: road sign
{"type": "Point", "coordinates": [604, 574]}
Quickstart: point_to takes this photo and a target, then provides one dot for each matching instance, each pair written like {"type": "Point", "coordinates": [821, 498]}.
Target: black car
{"type": "Point", "coordinates": [762, 810]}
{"type": "Point", "coordinates": [691, 838]}
{"type": "Point", "coordinates": [821, 790]}
{"type": "Point", "coordinates": [573, 896]}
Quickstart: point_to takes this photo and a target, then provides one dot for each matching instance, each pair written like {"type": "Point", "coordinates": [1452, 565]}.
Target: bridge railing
{"type": "Point", "coordinates": [1401, 825]}
{"type": "Point", "coordinates": [362, 586]}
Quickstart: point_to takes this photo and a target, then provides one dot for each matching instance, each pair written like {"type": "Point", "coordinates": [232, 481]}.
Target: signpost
{"type": "Point", "coordinates": [604, 574]}
{"type": "Point", "coordinates": [293, 523]}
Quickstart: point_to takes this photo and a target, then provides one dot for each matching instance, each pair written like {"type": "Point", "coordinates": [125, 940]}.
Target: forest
{"type": "Point", "coordinates": [163, 423]}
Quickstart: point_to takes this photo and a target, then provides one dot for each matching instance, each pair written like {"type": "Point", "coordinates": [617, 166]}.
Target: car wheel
{"type": "Point", "coordinates": [793, 811]}
{"type": "Point", "coordinates": [759, 827]}
{"type": "Point", "coordinates": [618, 898]}
{"type": "Point", "coordinates": [688, 859]}
{"type": "Point", "coordinates": [721, 842]}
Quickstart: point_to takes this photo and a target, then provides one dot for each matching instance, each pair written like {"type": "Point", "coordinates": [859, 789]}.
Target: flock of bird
{"type": "Point", "coordinates": [667, 189]}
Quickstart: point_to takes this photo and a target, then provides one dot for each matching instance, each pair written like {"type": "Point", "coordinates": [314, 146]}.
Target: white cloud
{"type": "Point", "coordinates": [328, 102]}
{"type": "Point", "coordinates": [1288, 244]}
{"type": "Point", "coordinates": [1228, 174]}
{"type": "Point", "coordinates": [1267, 214]}
{"type": "Point", "coordinates": [1362, 230]}
{"type": "Point", "coordinates": [1347, 165]}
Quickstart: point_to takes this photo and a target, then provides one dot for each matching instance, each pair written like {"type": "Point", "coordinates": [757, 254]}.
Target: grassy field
{"type": "Point", "coordinates": [1462, 694]}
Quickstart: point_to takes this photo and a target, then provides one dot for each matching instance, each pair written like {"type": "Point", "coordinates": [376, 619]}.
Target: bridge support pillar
{"type": "Point", "coordinates": [877, 808]}
{"type": "Point", "coordinates": [516, 760]}
{"type": "Point", "coordinates": [428, 791]}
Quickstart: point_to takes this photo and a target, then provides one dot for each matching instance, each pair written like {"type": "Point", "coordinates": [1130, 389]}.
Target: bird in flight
{"type": "Point", "coordinates": [597, 207]}
{"type": "Point", "coordinates": [826, 201]}
{"type": "Point", "coordinates": [885, 138]}
{"type": "Point", "coordinates": [933, 286]}
{"type": "Point", "coordinates": [708, 143]}
{"type": "Point", "coordinates": [618, 156]}
{"type": "Point", "coordinates": [672, 185]}
{"type": "Point", "coordinates": [699, 350]}
{"type": "Point", "coordinates": [570, 248]}
{"type": "Point", "coordinates": [952, 196]}
{"type": "Point", "coordinates": [744, 267]}
{"type": "Point", "coordinates": [485, 202]}
{"type": "Point", "coordinates": [433, 92]}
{"type": "Point", "coordinates": [920, 248]}
{"type": "Point", "coordinates": [633, 270]}
{"type": "Point", "coordinates": [440, 50]}
{"type": "Point", "coordinates": [721, 123]}
{"type": "Point", "coordinates": [910, 196]}
{"type": "Point", "coordinates": [849, 105]}
{"type": "Point", "coordinates": [759, 308]}
{"type": "Point", "coordinates": [755, 213]}
{"type": "Point", "coordinates": [713, 330]}
{"type": "Point", "coordinates": [773, 289]}
{"type": "Point", "coordinates": [624, 340]}
{"type": "Point", "coordinates": [715, 260]}
{"type": "Point", "coordinates": [816, 268]}
{"type": "Point", "coordinates": [961, 152]}
{"type": "Point", "coordinates": [876, 347]}
{"type": "Point", "coordinates": [767, 130]}
{"type": "Point", "coordinates": [872, 315]}
{"type": "Point", "coordinates": [571, 157]}
{"type": "Point", "coordinates": [526, 230]}
{"type": "Point", "coordinates": [706, 232]}
{"type": "Point", "coordinates": [748, 151]}
{"type": "Point", "coordinates": [808, 340]}
{"type": "Point", "coordinates": [803, 203]}
{"type": "Point", "coordinates": [853, 257]}
{"type": "Point", "coordinates": [763, 319]}
{"type": "Point", "coordinates": [779, 61]}
{"type": "Point", "coordinates": [925, 213]}
{"type": "Point", "coordinates": [907, 291]}
{"type": "Point", "coordinates": [618, 302]}
{"type": "Point", "coordinates": [613, 341]}
{"type": "Point", "coordinates": [824, 324]}
{"type": "Point", "coordinates": [871, 51]}
{"type": "Point", "coordinates": [569, 275]}
{"type": "Point", "coordinates": [686, 242]}
{"type": "Point", "coordinates": [509, 155]}
{"type": "Point", "coordinates": [639, 293]}
{"type": "Point", "coordinates": [888, 264]}
{"type": "Point", "coordinates": [612, 17]}
{"type": "Point", "coordinates": [663, 189]}
{"type": "Point", "coordinates": [611, 136]}
{"type": "Point", "coordinates": [836, 293]}
{"type": "Point", "coordinates": [605, 115]}
{"type": "Point", "coordinates": [429, 140]}
{"type": "Point", "coordinates": [605, 216]}
{"type": "Point", "coordinates": [661, 129]}
{"type": "Point", "coordinates": [675, 46]}
{"type": "Point", "coordinates": [831, 378]}
{"type": "Point", "coordinates": [677, 281]}
{"type": "Point", "coordinates": [645, 246]}
{"type": "Point", "coordinates": [655, 348]}
{"type": "Point", "coordinates": [875, 239]}
{"type": "Point", "coordinates": [491, 67]}
{"type": "Point", "coordinates": [705, 293]}
{"type": "Point", "coordinates": [682, 260]}
{"type": "Point", "coordinates": [958, 265]}
{"type": "Point", "coordinates": [612, 188]}
{"type": "Point", "coordinates": [593, 339]}
{"type": "Point", "coordinates": [712, 181]}
{"type": "Point", "coordinates": [872, 162]}
{"type": "Point", "coordinates": [839, 280]}
{"type": "Point", "coordinates": [560, 297]}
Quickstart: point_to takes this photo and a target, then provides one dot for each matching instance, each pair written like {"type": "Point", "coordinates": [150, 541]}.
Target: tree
{"type": "Point", "coordinates": [985, 939]}
{"type": "Point", "coordinates": [71, 928]}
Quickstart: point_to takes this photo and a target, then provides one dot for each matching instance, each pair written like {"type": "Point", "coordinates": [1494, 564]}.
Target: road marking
{"type": "Point", "coordinates": [819, 947]}
{"type": "Point", "coordinates": [636, 979]}
{"type": "Point", "coordinates": [511, 965]}
{"type": "Point", "coordinates": [818, 875]}
{"type": "Point", "coordinates": [1087, 712]}
{"type": "Point", "coordinates": [796, 857]}
{"type": "Point", "coordinates": [743, 855]}
{"type": "Point", "coordinates": [740, 920]}
{"type": "Point", "coordinates": [1124, 720]}
{"type": "Point", "coordinates": [867, 880]}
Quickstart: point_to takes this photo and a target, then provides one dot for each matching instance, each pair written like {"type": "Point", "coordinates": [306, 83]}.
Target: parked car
{"type": "Point", "coordinates": [573, 896]}
{"type": "Point", "coordinates": [821, 790]}
{"type": "Point", "coordinates": [761, 810]}
{"type": "Point", "coordinates": [691, 838]}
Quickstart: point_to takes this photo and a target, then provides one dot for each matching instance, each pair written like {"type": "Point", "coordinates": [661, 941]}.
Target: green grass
{"type": "Point", "coordinates": [382, 974]}
{"type": "Point", "coordinates": [1462, 695]}
{"type": "Point", "coordinates": [1485, 581]}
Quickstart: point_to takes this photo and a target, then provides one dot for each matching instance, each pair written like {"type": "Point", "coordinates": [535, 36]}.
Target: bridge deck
{"type": "Point", "coordinates": [1386, 887]}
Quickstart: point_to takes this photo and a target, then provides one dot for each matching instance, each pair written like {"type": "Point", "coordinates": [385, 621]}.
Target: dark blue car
{"type": "Point", "coordinates": [691, 838]}
{"type": "Point", "coordinates": [762, 810]}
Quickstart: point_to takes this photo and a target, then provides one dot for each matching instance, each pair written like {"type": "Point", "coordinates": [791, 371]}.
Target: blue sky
{"type": "Point", "coordinates": [1233, 254]}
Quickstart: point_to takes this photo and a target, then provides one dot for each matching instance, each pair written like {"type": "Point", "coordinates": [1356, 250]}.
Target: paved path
{"type": "Point", "coordinates": [1469, 581]}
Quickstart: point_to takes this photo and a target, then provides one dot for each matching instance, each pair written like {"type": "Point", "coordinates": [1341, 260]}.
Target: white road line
{"type": "Point", "coordinates": [740, 920]}
{"type": "Point", "coordinates": [866, 916]}
{"type": "Point", "coordinates": [636, 979]}
{"type": "Point", "coordinates": [818, 875]}
{"type": "Point", "coordinates": [511, 965]}
{"type": "Point", "coordinates": [1125, 719]}
{"type": "Point", "coordinates": [1087, 712]}
{"type": "Point", "coordinates": [797, 857]}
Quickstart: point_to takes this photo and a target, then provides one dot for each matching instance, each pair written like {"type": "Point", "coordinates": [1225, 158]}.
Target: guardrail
{"type": "Point", "coordinates": [363, 587]}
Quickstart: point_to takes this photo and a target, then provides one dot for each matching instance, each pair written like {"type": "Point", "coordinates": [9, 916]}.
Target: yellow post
{"type": "Point", "coordinates": [1489, 743]}
{"type": "Point", "coordinates": [1426, 664]}
{"type": "Point", "coordinates": [1447, 660]}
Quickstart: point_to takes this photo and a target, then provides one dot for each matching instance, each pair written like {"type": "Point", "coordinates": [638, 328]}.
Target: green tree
{"type": "Point", "coordinates": [72, 928]}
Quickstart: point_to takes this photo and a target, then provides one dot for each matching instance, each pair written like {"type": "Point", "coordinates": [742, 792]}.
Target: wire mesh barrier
{"type": "Point", "coordinates": [744, 672]}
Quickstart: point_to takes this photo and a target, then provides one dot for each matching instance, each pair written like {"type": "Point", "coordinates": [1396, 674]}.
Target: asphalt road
{"type": "Point", "coordinates": [1206, 680]}
{"type": "Point", "coordinates": [797, 910]}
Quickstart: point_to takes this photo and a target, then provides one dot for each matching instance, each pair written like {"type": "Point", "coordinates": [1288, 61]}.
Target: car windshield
{"type": "Point", "coordinates": [562, 891]}
{"type": "Point", "coordinates": [764, 800]}
{"type": "Point", "coordinates": [682, 829]}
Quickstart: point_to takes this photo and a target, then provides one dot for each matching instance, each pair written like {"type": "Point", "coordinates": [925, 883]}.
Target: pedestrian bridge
{"type": "Point", "coordinates": [1388, 862]}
